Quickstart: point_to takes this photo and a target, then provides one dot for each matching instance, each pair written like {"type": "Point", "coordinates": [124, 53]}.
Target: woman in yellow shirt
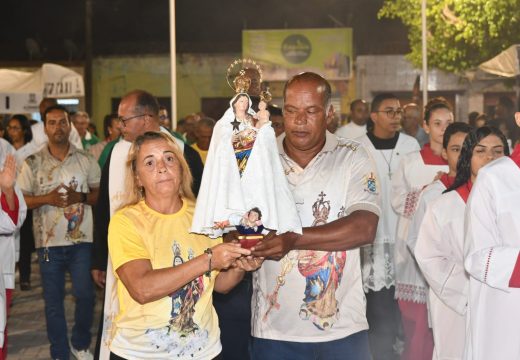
{"type": "Point", "coordinates": [165, 274]}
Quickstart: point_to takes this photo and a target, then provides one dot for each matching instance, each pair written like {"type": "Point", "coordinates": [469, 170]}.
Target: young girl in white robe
{"type": "Point", "coordinates": [416, 170]}
{"type": "Point", "coordinates": [439, 249]}
{"type": "Point", "coordinates": [491, 254]}
{"type": "Point", "coordinates": [451, 146]}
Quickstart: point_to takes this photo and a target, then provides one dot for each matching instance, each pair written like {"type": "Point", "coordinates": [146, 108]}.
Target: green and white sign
{"type": "Point", "coordinates": [284, 53]}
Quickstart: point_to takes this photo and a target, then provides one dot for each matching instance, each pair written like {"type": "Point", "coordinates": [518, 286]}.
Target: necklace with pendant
{"type": "Point", "coordinates": [389, 162]}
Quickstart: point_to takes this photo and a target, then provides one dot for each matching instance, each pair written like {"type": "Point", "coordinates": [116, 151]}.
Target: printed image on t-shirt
{"type": "Point", "coordinates": [322, 270]}
{"type": "Point", "coordinates": [182, 337]}
{"type": "Point", "coordinates": [74, 215]}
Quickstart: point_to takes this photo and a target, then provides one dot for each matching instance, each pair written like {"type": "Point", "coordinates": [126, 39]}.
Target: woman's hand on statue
{"type": "Point", "coordinates": [249, 263]}
{"type": "Point", "coordinates": [225, 255]}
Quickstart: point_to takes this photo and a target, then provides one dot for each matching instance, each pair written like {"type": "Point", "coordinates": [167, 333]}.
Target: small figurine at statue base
{"type": "Point", "coordinates": [249, 226]}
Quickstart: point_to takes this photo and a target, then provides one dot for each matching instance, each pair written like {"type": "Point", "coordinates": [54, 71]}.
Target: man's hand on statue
{"type": "Point", "coordinates": [249, 263]}
{"type": "Point", "coordinates": [225, 254]}
{"type": "Point", "coordinates": [275, 246]}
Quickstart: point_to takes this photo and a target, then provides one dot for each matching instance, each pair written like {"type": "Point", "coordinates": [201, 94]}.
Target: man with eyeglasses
{"type": "Point", "coordinates": [387, 147]}
{"type": "Point", "coordinates": [138, 112]}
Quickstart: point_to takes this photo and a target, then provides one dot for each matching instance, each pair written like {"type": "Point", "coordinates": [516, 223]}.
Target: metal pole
{"type": "Point", "coordinates": [88, 57]}
{"type": "Point", "coordinates": [173, 66]}
{"type": "Point", "coordinates": [424, 54]}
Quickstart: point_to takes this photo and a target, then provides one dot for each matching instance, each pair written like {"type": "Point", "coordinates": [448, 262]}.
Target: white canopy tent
{"type": "Point", "coordinates": [22, 91]}
{"type": "Point", "coordinates": [504, 64]}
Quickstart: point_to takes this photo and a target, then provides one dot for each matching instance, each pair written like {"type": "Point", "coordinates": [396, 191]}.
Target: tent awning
{"type": "Point", "coordinates": [22, 91]}
{"type": "Point", "coordinates": [504, 64]}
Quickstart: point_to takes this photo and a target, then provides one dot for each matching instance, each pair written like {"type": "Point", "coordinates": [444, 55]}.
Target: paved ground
{"type": "Point", "coordinates": [26, 323]}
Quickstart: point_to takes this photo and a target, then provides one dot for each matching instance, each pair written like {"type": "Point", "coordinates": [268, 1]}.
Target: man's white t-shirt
{"type": "Point", "coordinates": [351, 131]}
{"type": "Point", "coordinates": [322, 297]}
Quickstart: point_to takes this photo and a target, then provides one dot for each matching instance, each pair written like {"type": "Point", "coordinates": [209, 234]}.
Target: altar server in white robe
{"type": "Point", "coordinates": [451, 146]}
{"type": "Point", "coordinates": [417, 170]}
{"type": "Point", "coordinates": [387, 146]}
{"type": "Point", "coordinates": [439, 249]}
{"type": "Point", "coordinates": [491, 249]}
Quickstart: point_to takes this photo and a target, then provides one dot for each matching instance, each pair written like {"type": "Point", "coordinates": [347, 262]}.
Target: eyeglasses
{"type": "Point", "coordinates": [13, 128]}
{"type": "Point", "coordinates": [163, 117]}
{"type": "Point", "coordinates": [391, 113]}
{"type": "Point", "coordinates": [124, 120]}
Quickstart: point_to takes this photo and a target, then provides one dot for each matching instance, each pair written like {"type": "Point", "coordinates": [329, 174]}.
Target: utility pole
{"type": "Point", "coordinates": [424, 54]}
{"type": "Point", "coordinates": [173, 65]}
{"type": "Point", "coordinates": [88, 57]}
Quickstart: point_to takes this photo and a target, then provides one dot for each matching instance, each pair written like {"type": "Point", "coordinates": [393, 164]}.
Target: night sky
{"type": "Point", "coordinates": [142, 26]}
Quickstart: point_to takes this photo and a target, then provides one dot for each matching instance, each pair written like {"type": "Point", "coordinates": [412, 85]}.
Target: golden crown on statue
{"type": "Point", "coordinates": [240, 82]}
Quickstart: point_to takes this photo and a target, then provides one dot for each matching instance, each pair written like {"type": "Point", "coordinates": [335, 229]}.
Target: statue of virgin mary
{"type": "Point", "coordinates": [243, 171]}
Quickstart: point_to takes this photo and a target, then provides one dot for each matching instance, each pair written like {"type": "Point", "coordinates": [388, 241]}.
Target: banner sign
{"type": "Point", "coordinates": [284, 53]}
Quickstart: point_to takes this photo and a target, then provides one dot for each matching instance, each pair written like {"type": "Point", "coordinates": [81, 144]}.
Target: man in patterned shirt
{"type": "Point", "coordinates": [308, 300]}
{"type": "Point", "coordinates": [61, 184]}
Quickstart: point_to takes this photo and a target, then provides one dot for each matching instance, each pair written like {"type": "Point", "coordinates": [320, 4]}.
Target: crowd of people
{"type": "Point", "coordinates": [408, 246]}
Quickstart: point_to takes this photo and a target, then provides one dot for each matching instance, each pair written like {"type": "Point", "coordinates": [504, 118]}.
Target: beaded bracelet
{"type": "Point", "coordinates": [210, 255]}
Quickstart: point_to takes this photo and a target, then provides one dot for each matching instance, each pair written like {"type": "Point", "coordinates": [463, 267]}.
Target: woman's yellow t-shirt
{"type": "Point", "coordinates": [184, 324]}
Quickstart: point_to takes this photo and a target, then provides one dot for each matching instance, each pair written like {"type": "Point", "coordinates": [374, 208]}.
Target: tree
{"type": "Point", "coordinates": [461, 33]}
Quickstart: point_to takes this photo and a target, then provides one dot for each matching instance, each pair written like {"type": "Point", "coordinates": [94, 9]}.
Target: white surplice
{"type": "Point", "coordinates": [377, 259]}
{"type": "Point", "coordinates": [439, 253]}
{"type": "Point", "coordinates": [413, 175]}
{"type": "Point", "coordinates": [491, 248]}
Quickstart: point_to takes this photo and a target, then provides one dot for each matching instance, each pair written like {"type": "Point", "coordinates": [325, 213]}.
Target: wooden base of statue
{"type": "Point", "coordinates": [248, 241]}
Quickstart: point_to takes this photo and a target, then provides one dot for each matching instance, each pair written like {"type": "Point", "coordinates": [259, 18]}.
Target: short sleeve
{"type": "Point", "coordinates": [94, 172]}
{"type": "Point", "coordinates": [363, 191]}
{"type": "Point", "coordinates": [124, 241]}
{"type": "Point", "coordinates": [26, 181]}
